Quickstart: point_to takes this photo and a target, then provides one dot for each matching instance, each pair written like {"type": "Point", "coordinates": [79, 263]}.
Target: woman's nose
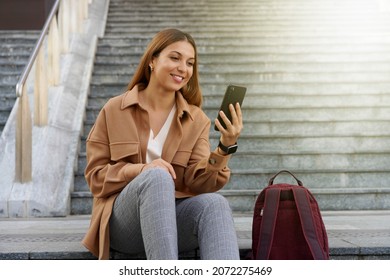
{"type": "Point", "coordinates": [181, 67]}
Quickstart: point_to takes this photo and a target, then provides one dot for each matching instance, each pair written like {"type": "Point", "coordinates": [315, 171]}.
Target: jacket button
{"type": "Point", "coordinates": [212, 161]}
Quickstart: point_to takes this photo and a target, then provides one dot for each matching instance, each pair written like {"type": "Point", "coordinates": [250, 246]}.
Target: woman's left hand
{"type": "Point", "coordinates": [233, 129]}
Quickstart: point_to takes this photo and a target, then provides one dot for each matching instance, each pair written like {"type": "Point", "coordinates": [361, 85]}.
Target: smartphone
{"type": "Point", "coordinates": [232, 95]}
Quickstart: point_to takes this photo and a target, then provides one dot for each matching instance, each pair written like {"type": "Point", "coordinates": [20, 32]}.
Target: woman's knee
{"type": "Point", "coordinates": [214, 201]}
{"type": "Point", "coordinates": [156, 180]}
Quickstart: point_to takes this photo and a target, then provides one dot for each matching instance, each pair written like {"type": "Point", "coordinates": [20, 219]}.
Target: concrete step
{"type": "Point", "coordinates": [244, 200]}
{"type": "Point", "coordinates": [251, 160]}
{"type": "Point", "coordinates": [212, 100]}
{"type": "Point", "coordinates": [11, 68]}
{"type": "Point", "coordinates": [242, 56]}
{"type": "Point", "coordinates": [351, 236]}
{"type": "Point", "coordinates": [13, 49]}
{"type": "Point", "coordinates": [18, 37]}
{"type": "Point", "coordinates": [340, 28]}
{"type": "Point", "coordinates": [293, 129]}
{"type": "Point", "coordinates": [6, 59]}
{"type": "Point", "coordinates": [333, 178]}
{"type": "Point", "coordinates": [236, 12]}
{"type": "Point", "coordinates": [302, 144]}
{"type": "Point", "coordinates": [318, 114]}
{"type": "Point", "coordinates": [337, 180]}
{"type": "Point", "coordinates": [318, 89]}
{"type": "Point", "coordinates": [268, 89]}
{"type": "Point", "coordinates": [261, 67]}
{"type": "Point", "coordinates": [234, 46]}
{"type": "Point", "coordinates": [258, 77]}
{"type": "Point", "coordinates": [224, 20]}
{"type": "Point", "coordinates": [9, 78]}
{"type": "Point", "coordinates": [137, 40]}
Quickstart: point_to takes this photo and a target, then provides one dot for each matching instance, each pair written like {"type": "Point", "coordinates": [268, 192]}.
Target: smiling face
{"type": "Point", "coordinates": [173, 67]}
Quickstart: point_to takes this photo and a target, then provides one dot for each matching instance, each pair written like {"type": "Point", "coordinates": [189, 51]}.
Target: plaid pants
{"type": "Point", "coordinates": [147, 218]}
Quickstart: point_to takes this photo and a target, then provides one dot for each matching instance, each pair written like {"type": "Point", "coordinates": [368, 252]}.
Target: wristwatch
{"type": "Point", "coordinates": [228, 149]}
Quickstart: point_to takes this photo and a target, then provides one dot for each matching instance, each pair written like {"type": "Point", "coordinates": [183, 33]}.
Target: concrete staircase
{"type": "Point", "coordinates": [15, 49]}
{"type": "Point", "coordinates": [318, 98]}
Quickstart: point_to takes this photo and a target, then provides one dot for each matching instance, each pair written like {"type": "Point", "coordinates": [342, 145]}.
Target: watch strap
{"type": "Point", "coordinates": [228, 149]}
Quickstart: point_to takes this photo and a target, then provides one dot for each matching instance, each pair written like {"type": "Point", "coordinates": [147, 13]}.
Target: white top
{"type": "Point", "coordinates": [155, 144]}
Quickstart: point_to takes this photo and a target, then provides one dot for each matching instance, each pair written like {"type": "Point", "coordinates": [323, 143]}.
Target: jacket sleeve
{"type": "Point", "coordinates": [206, 171]}
{"type": "Point", "coordinates": [103, 175]}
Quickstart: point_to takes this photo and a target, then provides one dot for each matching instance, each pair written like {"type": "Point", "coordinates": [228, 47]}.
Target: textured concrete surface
{"type": "Point", "coordinates": [352, 235]}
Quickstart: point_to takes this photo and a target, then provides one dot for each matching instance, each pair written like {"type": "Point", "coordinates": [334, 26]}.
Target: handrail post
{"type": "Point", "coordinates": [73, 16]}
{"type": "Point", "coordinates": [40, 90]}
{"type": "Point", "coordinates": [54, 53]}
{"type": "Point", "coordinates": [64, 25]}
{"type": "Point", "coordinates": [23, 140]}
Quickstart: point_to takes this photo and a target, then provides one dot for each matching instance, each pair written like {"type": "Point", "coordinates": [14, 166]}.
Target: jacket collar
{"type": "Point", "coordinates": [130, 98]}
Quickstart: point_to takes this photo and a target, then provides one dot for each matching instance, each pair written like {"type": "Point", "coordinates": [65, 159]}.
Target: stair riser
{"type": "Point", "coordinates": [315, 16]}
{"type": "Point", "coordinates": [227, 39]}
{"type": "Point", "coordinates": [295, 129]}
{"type": "Point", "coordinates": [6, 104]}
{"type": "Point", "coordinates": [273, 89]}
{"type": "Point", "coordinates": [234, 46]}
{"type": "Point", "coordinates": [314, 114]}
{"type": "Point", "coordinates": [349, 29]}
{"type": "Point", "coordinates": [338, 180]}
{"type": "Point", "coordinates": [239, 56]}
{"type": "Point", "coordinates": [15, 49]}
{"type": "Point", "coordinates": [317, 162]}
{"type": "Point", "coordinates": [309, 144]}
{"type": "Point", "coordinates": [222, 67]}
{"type": "Point", "coordinates": [245, 78]}
{"type": "Point", "coordinates": [9, 79]}
{"type": "Point", "coordinates": [243, 163]}
{"type": "Point", "coordinates": [277, 101]}
{"type": "Point", "coordinates": [245, 203]}
{"type": "Point", "coordinates": [11, 69]}
{"type": "Point", "coordinates": [298, 114]}
{"type": "Point", "coordinates": [80, 185]}
{"type": "Point", "coordinates": [326, 202]}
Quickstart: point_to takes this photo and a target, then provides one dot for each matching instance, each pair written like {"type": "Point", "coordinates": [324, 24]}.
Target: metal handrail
{"type": "Point", "coordinates": [27, 69]}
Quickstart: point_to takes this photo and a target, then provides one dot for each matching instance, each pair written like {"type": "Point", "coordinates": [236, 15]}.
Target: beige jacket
{"type": "Point", "coordinates": [116, 152]}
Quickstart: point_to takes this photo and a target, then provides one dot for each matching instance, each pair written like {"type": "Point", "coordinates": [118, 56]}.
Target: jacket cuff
{"type": "Point", "coordinates": [217, 162]}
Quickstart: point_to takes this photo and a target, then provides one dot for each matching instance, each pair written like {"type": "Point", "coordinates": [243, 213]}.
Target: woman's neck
{"type": "Point", "coordinates": [157, 99]}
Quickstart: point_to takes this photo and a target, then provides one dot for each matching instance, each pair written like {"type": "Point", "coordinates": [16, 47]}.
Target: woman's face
{"type": "Point", "coordinates": [173, 68]}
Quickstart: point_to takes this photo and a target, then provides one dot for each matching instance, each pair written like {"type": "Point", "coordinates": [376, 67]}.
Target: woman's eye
{"type": "Point", "coordinates": [174, 58]}
{"type": "Point", "coordinates": [191, 64]}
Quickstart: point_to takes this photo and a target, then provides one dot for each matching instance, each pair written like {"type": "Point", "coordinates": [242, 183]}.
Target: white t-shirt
{"type": "Point", "coordinates": [155, 144]}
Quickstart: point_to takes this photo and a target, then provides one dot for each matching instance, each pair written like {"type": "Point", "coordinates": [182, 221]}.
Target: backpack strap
{"type": "Point", "coordinates": [307, 222]}
{"type": "Point", "coordinates": [271, 206]}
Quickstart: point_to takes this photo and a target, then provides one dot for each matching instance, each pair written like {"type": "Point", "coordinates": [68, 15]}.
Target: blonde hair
{"type": "Point", "coordinates": [191, 92]}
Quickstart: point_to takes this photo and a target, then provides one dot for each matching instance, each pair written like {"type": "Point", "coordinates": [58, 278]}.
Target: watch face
{"type": "Point", "coordinates": [232, 149]}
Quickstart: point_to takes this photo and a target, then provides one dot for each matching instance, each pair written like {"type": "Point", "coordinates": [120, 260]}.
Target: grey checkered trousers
{"type": "Point", "coordinates": [146, 218]}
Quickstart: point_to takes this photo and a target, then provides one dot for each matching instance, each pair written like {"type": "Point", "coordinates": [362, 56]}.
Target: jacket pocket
{"type": "Point", "coordinates": [121, 151]}
{"type": "Point", "coordinates": [181, 158]}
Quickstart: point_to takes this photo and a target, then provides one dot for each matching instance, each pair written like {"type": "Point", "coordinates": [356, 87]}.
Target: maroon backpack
{"type": "Point", "coordinates": [287, 224]}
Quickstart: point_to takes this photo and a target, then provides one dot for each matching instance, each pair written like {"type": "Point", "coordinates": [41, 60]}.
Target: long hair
{"type": "Point", "coordinates": [191, 92]}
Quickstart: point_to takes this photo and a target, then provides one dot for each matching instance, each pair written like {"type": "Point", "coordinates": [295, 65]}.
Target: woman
{"type": "Point", "coordinates": [149, 165]}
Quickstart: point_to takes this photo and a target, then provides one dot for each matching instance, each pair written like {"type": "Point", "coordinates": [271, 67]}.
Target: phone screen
{"type": "Point", "coordinates": [232, 95]}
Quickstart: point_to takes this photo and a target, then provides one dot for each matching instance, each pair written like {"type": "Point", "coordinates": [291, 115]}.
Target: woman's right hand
{"type": "Point", "coordinates": [160, 163]}
{"type": "Point", "coordinates": [230, 134]}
